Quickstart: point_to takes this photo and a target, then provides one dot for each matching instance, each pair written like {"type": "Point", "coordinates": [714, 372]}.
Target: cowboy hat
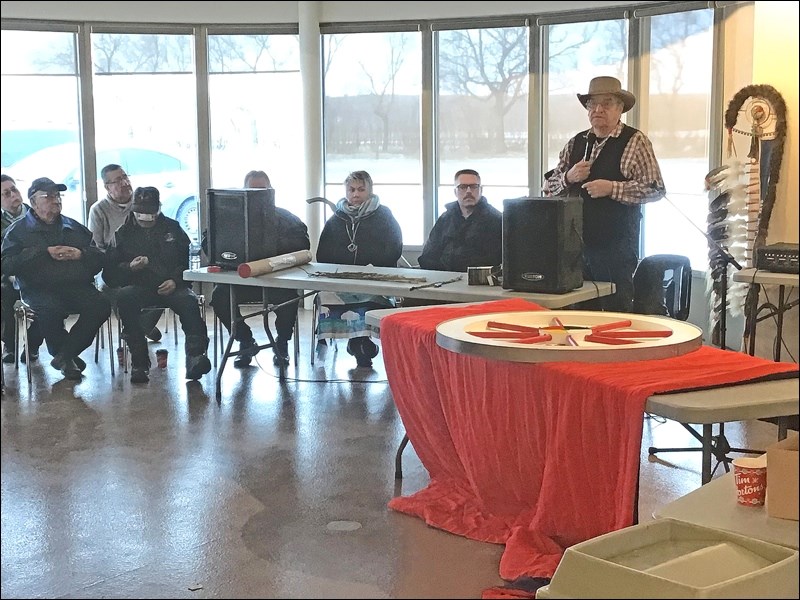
{"type": "Point", "coordinates": [608, 85]}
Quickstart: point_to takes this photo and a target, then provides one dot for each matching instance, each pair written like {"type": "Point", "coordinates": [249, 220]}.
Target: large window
{"type": "Point", "coordinates": [145, 118]}
{"type": "Point", "coordinates": [576, 52]}
{"type": "Point", "coordinates": [482, 110]}
{"type": "Point", "coordinates": [255, 113]}
{"type": "Point", "coordinates": [40, 112]}
{"type": "Point", "coordinates": [678, 124]}
{"type": "Point", "coordinates": [452, 93]}
{"type": "Point", "coordinates": [372, 85]}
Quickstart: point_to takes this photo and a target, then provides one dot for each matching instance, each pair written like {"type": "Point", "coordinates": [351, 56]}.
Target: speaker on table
{"type": "Point", "coordinates": [542, 248]}
{"type": "Point", "coordinates": [241, 226]}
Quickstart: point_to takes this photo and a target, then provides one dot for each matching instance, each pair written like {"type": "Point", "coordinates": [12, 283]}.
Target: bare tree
{"type": "Point", "coordinates": [487, 64]}
{"type": "Point", "coordinates": [383, 88]}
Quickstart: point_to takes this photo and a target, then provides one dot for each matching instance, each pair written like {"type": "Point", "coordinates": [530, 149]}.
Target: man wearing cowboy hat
{"type": "Point", "coordinates": [613, 168]}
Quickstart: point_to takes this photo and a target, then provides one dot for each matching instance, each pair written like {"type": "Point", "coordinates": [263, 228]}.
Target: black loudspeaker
{"type": "Point", "coordinates": [241, 226]}
{"type": "Point", "coordinates": [542, 244]}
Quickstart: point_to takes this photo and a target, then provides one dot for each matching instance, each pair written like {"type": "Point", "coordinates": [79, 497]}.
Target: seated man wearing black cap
{"type": "Point", "coordinates": [147, 261]}
{"type": "Point", "coordinates": [55, 261]}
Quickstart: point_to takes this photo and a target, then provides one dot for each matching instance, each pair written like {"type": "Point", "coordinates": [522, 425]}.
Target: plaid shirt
{"type": "Point", "coordinates": [638, 165]}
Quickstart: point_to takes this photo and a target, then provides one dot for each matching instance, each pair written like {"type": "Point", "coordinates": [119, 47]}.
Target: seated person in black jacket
{"type": "Point", "coordinates": [147, 261]}
{"type": "Point", "coordinates": [54, 262]}
{"type": "Point", "coordinates": [292, 236]}
{"type": "Point", "coordinates": [468, 234]}
{"type": "Point", "coordinates": [361, 231]}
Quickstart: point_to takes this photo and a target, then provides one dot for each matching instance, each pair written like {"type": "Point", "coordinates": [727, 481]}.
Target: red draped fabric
{"type": "Point", "coordinates": [535, 456]}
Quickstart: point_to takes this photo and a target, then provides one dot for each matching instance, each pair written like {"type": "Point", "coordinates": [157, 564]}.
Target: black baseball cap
{"type": "Point", "coordinates": [146, 200]}
{"type": "Point", "coordinates": [45, 184]}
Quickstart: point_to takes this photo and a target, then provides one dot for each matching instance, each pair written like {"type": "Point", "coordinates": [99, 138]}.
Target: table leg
{"type": "Point", "coordinates": [705, 476]}
{"type": "Point", "coordinates": [779, 334]}
{"type": "Point", "coordinates": [751, 333]}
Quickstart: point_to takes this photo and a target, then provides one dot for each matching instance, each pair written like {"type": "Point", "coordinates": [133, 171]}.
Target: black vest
{"type": "Point", "coordinates": [606, 222]}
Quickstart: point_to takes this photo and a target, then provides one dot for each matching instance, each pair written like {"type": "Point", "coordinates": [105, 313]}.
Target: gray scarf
{"type": "Point", "coordinates": [356, 213]}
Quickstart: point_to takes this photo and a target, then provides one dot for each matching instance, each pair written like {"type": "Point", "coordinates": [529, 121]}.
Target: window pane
{"type": "Point", "coordinates": [482, 106]}
{"type": "Point", "coordinates": [255, 96]}
{"type": "Point", "coordinates": [576, 53]}
{"type": "Point", "coordinates": [678, 126]}
{"type": "Point", "coordinates": [39, 113]}
{"type": "Point", "coordinates": [145, 116]}
{"type": "Point", "coordinates": [372, 98]}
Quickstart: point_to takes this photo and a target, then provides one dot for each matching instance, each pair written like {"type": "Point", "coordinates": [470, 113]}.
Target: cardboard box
{"type": "Point", "coordinates": [782, 478]}
{"type": "Point", "coordinates": [671, 559]}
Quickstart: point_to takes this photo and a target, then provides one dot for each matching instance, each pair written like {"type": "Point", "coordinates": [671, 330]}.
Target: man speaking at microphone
{"type": "Point", "coordinates": [613, 168]}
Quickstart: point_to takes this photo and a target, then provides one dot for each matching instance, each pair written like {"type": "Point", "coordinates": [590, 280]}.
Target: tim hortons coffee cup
{"type": "Point", "coordinates": [161, 358]}
{"type": "Point", "coordinates": [750, 475]}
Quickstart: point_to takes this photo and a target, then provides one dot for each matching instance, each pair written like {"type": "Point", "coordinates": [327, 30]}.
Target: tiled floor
{"type": "Point", "coordinates": [279, 491]}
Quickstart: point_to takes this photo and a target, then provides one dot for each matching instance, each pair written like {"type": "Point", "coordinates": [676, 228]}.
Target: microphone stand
{"type": "Point", "coordinates": [728, 259]}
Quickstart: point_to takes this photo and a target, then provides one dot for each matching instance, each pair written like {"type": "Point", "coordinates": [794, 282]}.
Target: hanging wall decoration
{"type": "Point", "coordinates": [742, 193]}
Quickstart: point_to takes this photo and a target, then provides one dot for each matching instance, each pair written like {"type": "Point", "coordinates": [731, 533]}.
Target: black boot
{"type": "Point", "coordinates": [197, 363]}
{"type": "Point", "coordinates": [281, 351]}
{"type": "Point", "coordinates": [140, 358]}
{"type": "Point", "coordinates": [364, 349]}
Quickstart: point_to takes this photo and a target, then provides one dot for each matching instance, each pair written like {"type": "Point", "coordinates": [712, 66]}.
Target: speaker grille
{"type": "Point", "coordinates": [542, 244]}
{"type": "Point", "coordinates": [241, 226]}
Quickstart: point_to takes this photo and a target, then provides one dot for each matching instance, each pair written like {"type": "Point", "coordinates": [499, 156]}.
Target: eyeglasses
{"type": "Point", "coordinates": [7, 193]}
{"type": "Point", "coordinates": [607, 104]}
{"type": "Point", "coordinates": [472, 187]}
{"type": "Point", "coordinates": [49, 196]}
{"type": "Point", "coordinates": [118, 181]}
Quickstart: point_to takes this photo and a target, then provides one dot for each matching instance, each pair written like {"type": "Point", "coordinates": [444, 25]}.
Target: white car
{"type": "Point", "coordinates": [62, 163]}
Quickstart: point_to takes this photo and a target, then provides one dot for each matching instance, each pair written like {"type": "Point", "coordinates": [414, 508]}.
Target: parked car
{"type": "Point", "coordinates": [174, 179]}
{"type": "Point", "coordinates": [19, 143]}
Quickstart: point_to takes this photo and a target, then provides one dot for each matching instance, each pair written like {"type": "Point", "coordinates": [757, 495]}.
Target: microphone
{"type": "Point", "coordinates": [591, 138]}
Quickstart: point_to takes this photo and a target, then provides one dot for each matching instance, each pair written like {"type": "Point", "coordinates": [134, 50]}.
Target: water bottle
{"type": "Point", "coordinates": [194, 262]}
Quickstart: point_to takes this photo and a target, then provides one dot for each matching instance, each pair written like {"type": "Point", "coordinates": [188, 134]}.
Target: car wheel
{"type": "Point", "coordinates": [187, 215]}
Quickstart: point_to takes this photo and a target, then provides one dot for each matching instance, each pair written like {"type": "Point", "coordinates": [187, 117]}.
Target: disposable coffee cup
{"type": "Point", "coordinates": [750, 475]}
{"type": "Point", "coordinates": [161, 358]}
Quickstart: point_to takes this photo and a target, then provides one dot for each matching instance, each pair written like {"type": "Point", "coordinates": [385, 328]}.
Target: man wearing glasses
{"type": "Point", "coordinates": [55, 261]}
{"type": "Point", "coordinates": [468, 234]}
{"type": "Point", "coordinates": [613, 168]}
{"type": "Point", "coordinates": [105, 217]}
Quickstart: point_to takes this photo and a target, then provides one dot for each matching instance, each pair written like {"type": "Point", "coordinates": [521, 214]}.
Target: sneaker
{"type": "Point", "coordinates": [140, 375]}
{"type": "Point", "coordinates": [154, 335]}
{"type": "Point", "coordinates": [247, 350]}
{"type": "Point", "coordinates": [67, 367]}
{"type": "Point", "coordinates": [197, 366]}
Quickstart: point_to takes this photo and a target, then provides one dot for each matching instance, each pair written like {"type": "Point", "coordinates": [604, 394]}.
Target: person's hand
{"type": "Point", "coordinates": [167, 287]}
{"type": "Point", "coordinates": [64, 252]}
{"type": "Point", "coordinates": [599, 188]}
{"type": "Point", "coordinates": [579, 171]}
{"type": "Point", "coordinates": [139, 263]}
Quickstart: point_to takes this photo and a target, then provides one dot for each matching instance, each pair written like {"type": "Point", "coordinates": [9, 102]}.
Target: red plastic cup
{"type": "Point", "coordinates": [750, 475]}
{"type": "Point", "coordinates": [161, 358]}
